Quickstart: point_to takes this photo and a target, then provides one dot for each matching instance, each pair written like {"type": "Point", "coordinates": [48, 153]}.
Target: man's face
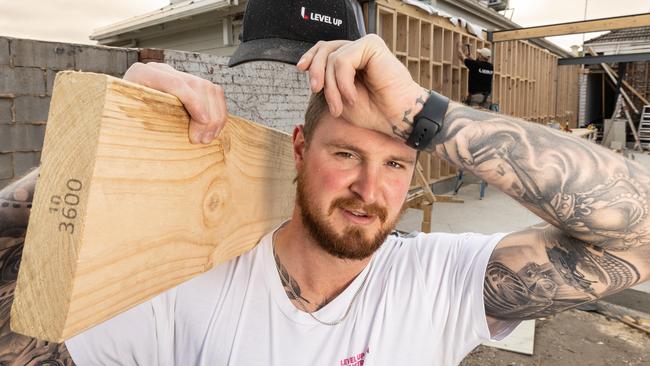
{"type": "Point", "coordinates": [352, 183]}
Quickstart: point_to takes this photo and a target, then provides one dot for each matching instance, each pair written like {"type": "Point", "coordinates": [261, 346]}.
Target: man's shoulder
{"type": "Point", "coordinates": [436, 243]}
{"type": "Point", "coordinates": [400, 243]}
{"type": "Point", "coordinates": [470, 62]}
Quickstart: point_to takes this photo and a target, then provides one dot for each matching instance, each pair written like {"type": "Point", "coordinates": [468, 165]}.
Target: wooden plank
{"type": "Point", "coordinates": [424, 183]}
{"type": "Point", "coordinates": [584, 133]}
{"type": "Point", "coordinates": [595, 25]}
{"type": "Point", "coordinates": [125, 207]}
{"type": "Point", "coordinates": [636, 319]}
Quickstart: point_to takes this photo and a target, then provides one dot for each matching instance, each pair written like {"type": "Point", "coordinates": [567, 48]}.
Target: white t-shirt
{"type": "Point", "coordinates": [422, 304]}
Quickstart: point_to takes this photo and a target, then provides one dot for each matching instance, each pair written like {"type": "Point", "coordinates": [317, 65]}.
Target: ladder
{"type": "Point", "coordinates": [644, 127]}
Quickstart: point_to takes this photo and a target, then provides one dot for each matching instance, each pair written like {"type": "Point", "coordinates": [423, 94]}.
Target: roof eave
{"type": "Point", "coordinates": [160, 16]}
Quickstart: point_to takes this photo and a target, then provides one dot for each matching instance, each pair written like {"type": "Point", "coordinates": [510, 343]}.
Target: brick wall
{"type": "Point", "coordinates": [269, 93]}
{"type": "Point", "coordinates": [27, 70]}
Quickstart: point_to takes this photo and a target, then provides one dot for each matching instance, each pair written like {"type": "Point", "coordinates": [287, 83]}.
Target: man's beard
{"type": "Point", "coordinates": [352, 243]}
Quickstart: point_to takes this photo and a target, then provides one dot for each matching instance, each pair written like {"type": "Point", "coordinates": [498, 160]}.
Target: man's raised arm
{"type": "Point", "coordinates": [595, 200]}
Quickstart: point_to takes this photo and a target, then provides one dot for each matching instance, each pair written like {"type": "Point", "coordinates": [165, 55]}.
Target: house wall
{"type": "Point", "coordinates": [269, 93]}
{"type": "Point", "coordinates": [205, 39]}
{"type": "Point", "coordinates": [199, 33]}
{"type": "Point", "coordinates": [203, 33]}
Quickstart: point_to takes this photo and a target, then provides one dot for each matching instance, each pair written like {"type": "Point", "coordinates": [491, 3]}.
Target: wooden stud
{"type": "Point", "coordinates": [437, 44]}
{"type": "Point", "coordinates": [414, 40]}
{"type": "Point", "coordinates": [402, 35]}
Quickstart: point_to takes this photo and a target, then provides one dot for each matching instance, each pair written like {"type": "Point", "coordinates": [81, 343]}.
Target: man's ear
{"type": "Point", "coordinates": [299, 145]}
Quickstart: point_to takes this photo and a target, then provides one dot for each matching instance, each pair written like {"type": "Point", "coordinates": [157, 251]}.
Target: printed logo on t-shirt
{"type": "Point", "coordinates": [356, 360]}
{"type": "Point", "coordinates": [485, 71]}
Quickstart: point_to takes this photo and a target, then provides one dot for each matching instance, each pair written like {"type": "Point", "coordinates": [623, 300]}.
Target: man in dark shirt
{"type": "Point", "coordinates": [480, 76]}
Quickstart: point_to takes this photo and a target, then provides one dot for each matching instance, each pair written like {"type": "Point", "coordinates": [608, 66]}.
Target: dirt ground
{"type": "Point", "coordinates": [574, 338]}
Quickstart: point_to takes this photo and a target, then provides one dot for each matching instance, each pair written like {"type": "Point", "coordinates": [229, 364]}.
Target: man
{"type": "Point", "coordinates": [479, 83]}
{"type": "Point", "coordinates": [332, 287]}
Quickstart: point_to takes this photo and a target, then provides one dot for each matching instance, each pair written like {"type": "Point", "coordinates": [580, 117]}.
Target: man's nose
{"type": "Point", "coordinates": [366, 184]}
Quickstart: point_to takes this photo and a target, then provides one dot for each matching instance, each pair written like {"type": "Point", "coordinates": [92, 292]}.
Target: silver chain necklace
{"type": "Point", "coordinates": [299, 300]}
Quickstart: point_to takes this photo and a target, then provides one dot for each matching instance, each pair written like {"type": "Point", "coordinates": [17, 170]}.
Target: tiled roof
{"type": "Point", "coordinates": [620, 35]}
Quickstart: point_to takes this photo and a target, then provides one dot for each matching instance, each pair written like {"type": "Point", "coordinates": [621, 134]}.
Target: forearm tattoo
{"type": "Point", "coordinates": [587, 191]}
{"type": "Point", "coordinates": [596, 201]}
{"type": "Point", "coordinates": [16, 349]}
{"type": "Point", "coordinates": [575, 273]}
{"type": "Point", "coordinates": [403, 130]}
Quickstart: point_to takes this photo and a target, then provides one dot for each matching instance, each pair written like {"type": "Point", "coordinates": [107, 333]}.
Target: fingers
{"type": "Point", "coordinates": [315, 61]}
{"type": "Point", "coordinates": [333, 66]}
{"type": "Point", "coordinates": [204, 101]}
{"type": "Point", "coordinates": [345, 70]}
{"type": "Point", "coordinates": [332, 94]}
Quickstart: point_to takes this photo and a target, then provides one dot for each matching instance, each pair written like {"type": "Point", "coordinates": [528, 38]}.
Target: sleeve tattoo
{"type": "Point", "coordinates": [577, 186]}
{"type": "Point", "coordinates": [573, 274]}
{"type": "Point", "coordinates": [596, 201]}
{"type": "Point", "coordinates": [16, 349]}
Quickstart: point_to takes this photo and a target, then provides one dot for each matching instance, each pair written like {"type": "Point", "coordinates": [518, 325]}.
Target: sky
{"type": "Point", "coordinates": [74, 20]}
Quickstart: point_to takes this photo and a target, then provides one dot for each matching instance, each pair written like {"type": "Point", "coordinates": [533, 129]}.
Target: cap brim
{"type": "Point", "coordinates": [269, 49]}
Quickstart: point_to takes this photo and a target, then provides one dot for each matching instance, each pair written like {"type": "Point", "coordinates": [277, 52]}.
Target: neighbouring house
{"type": "Point", "coordinates": [598, 99]}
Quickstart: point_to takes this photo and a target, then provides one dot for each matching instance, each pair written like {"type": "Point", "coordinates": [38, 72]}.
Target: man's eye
{"type": "Point", "coordinates": [344, 154]}
{"type": "Point", "coordinates": [396, 165]}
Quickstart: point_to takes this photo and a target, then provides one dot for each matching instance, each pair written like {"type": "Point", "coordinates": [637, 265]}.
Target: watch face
{"type": "Point", "coordinates": [428, 122]}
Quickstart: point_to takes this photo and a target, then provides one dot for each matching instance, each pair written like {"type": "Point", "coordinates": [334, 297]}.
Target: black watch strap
{"type": "Point", "coordinates": [428, 122]}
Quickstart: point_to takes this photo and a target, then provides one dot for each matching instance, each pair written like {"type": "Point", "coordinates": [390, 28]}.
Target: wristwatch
{"type": "Point", "coordinates": [428, 122]}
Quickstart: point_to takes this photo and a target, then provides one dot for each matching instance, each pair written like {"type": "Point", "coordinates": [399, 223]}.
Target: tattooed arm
{"type": "Point", "coordinates": [16, 349]}
{"type": "Point", "coordinates": [596, 202]}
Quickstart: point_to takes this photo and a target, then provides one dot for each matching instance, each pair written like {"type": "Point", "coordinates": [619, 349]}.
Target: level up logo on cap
{"type": "Point", "coordinates": [320, 18]}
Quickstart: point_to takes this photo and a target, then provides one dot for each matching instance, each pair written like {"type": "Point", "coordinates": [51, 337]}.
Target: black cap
{"type": "Point", "coordinates": [283, 30]}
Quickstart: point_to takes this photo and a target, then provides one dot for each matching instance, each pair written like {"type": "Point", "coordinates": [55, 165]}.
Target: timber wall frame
{"type": "Point", "coordinates": [528, 83]}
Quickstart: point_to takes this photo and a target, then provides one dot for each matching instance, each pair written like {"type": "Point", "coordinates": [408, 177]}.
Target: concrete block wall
{"type": "Point", "coordinates": [27, 71]}
{"type": "Point", "coordinates": [269, 93]}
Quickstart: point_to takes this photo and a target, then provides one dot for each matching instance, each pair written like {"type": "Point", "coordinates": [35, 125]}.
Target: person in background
{"type": "Point", "coordinates": [480, 76]}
